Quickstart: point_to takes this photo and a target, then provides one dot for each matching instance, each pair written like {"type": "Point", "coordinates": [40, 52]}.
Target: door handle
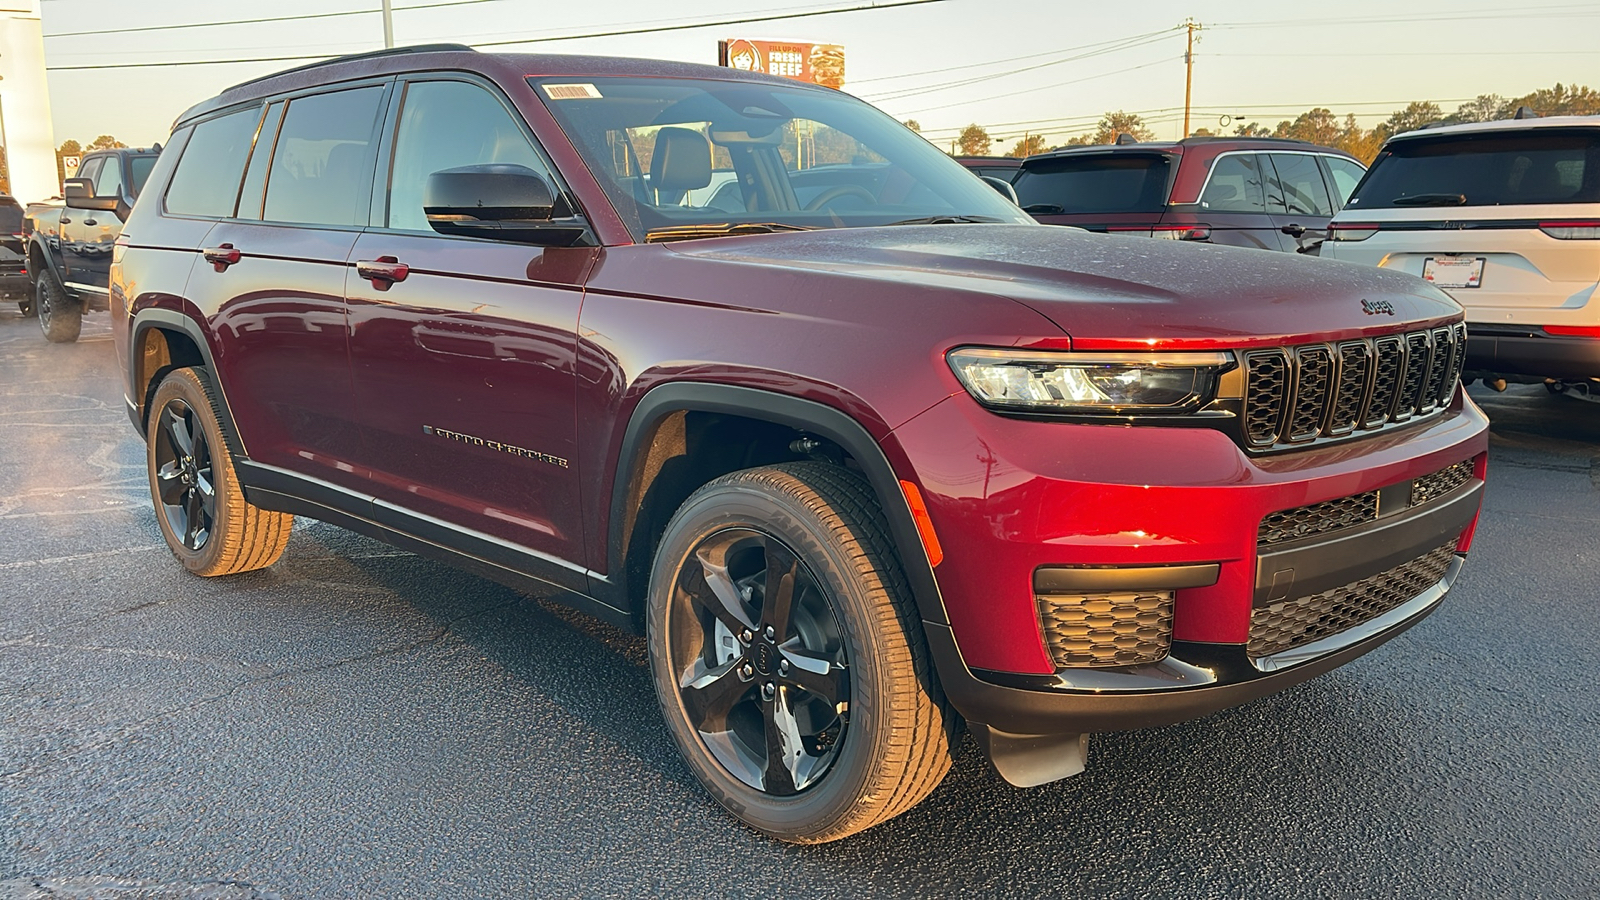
{"type": "Point", "coordinates": [1293, 230]}
{"type": "Point", "coordinates": [64, 220]}
{"type": "Point", "coordinates": [383, 271]}
{"type": "Point", "coordinates": [90, 222]}
{"type": "Point", "coordinates": [221, 257]}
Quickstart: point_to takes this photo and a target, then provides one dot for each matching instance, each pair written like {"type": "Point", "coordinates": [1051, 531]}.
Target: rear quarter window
{"type": "Point", "coordinates": [1123, 183]}
{"type": "Point", "coordinates": [1542, 166]}
{"type": "Point", "coordinates": [207, 180]}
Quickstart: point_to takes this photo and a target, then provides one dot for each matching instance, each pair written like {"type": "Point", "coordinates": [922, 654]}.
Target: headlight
{"type": "Point", "coordinates": [1093, 383]}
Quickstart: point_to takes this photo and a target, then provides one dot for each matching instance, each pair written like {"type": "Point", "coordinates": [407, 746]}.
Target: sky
{"type": "Point", "coordinates": [1050, 67]}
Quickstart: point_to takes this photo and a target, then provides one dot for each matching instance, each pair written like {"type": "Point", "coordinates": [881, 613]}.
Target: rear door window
{"type": "Point", "coordinates": [1539, 166]}
{"type": "Point", "coordinates": [109, 182]}
{"type": "Point", "coordinates": [1235, 185]}
{"type": "Point", "coordinates": [1106, 183]}
{"type": "Point", "coordinates": [207, 180]}
{"type": "Point", "coordinates": [322, 166]}
{"type": "Point", "coordinates": [1298, 188]}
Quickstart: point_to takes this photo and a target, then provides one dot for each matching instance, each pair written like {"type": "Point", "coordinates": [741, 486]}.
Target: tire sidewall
{"type": "Point", "coordinates": [60, 318]}
{"type": "Point", "coordinates": [721, 506]}
{"type": "Point", "coordinates": [186, 385]}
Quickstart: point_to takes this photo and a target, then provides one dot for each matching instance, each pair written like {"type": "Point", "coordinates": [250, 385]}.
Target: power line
{"type": "Point", "coordinates": [295, 18]}
{"type": "Point", "coordinates": [1044, 87]}
{"type": "Point", "coordinates": [996, 62]}
{"type": "Point", "coordinates": [570, 37]}
{"type": "Point", "coordinates": [1126, 44]}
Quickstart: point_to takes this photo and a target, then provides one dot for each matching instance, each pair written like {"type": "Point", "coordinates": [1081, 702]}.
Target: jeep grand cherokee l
{"type": "Point", "coordinates": [862, 466]}
{"type": "Point", "coordinates": [1505, 217]}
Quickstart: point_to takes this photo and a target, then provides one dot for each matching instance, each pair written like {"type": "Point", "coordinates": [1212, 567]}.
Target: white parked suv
{"type": "Point", "coordinates": [1505, 216]}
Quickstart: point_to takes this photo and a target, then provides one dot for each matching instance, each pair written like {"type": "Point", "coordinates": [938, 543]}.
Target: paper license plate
{"type": "Point", "coordinates": [1453, 271]}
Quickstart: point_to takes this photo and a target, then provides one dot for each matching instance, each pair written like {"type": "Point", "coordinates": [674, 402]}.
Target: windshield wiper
{"type": "Point", "coordinates": [946, 220]}
{"type": "Point", "coordinates": [1431, 200]}
{"type": "Point", "coordinates": [1044, 209]}
{"type": "Point", "coordinates": [718, 229]}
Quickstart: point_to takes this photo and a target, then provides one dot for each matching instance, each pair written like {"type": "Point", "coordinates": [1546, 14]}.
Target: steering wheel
{"type": "Point", "coordinates": [839, 190]}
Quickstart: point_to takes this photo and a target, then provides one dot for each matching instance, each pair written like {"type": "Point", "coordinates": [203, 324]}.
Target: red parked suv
{"type": "Point", "coordinates": [865, 462]}
{"type": "Point", "coordinates": [1267, 193]}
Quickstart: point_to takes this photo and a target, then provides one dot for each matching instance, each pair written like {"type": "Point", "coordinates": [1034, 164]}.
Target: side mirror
{"type": "Point", "coordinates": [79, 194]}
{"type": "Point", "coordinates": [499, 201]}
{"type": "Point", "coordinates": [1003, 187]}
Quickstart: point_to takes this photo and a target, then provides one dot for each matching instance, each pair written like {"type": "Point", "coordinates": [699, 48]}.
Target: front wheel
{"type": "Point", "coordinates": [208, 524]}
{"type": "Point", "coordinates": [60, 317]}
{"type": "Point", "coordinates": [788, 657]}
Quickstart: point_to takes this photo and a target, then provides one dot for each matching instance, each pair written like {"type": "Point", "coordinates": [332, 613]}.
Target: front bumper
{"type": "Point", "coordinates": [1026, 497]}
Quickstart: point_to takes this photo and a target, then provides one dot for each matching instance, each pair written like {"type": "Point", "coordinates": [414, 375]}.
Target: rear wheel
{"type": "Point", "coordinates": [25, 305]}
{"type": "Point", "coordinates": [788, 657]}
{"type": "Point", "coordinates": [60, 317]}
{"type": "Point", "coordinates": [202, 512]}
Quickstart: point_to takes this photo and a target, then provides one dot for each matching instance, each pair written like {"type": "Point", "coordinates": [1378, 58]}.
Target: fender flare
{"type": "Point", "coordinates": [49, 261]}
{"type": "Point", "coordinates": [173, 320]}
{"type": "Point", "coordinates": [781, 409]}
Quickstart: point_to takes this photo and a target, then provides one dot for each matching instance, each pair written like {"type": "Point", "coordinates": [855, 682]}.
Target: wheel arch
{"type": "Point", "coordinates": [163, 339]}
{"type": "Point", "coordinates": [656, 427]}
{"type": "Point", "coordinates": [40, 259]}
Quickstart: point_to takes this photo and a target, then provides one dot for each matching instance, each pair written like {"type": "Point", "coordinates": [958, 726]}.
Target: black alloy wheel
{"type": "Point", "coordinates": [184, 480]}
{"type": "Point", "coordinates": [763, 670]}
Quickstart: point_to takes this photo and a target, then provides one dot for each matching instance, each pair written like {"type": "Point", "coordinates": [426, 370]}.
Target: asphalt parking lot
{"type": "Point", "coordinates": [360, 722]}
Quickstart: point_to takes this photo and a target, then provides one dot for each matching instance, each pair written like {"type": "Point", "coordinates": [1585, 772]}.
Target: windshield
{"type": "Point", "coordinates": [1099, 183]}
{"type": "Point", "coordinates": [1535, 166]}
{"type": "Point", "coordinates": [677, 155]}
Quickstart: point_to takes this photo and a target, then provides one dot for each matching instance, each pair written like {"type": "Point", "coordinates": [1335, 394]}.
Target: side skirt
{"type": "Point", "coordinates": [271, 488]}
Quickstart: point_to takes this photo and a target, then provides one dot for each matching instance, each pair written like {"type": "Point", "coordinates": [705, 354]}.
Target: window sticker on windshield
{"type": "Point", "coordinates": [572, 92]}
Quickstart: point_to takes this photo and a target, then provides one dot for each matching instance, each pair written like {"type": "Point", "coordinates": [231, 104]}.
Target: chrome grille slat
{"type": "Point", "coordinates": [1298, 395]}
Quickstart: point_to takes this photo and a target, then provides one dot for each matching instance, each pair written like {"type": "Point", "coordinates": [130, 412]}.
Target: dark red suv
{"type": "Point", "coordinates": [865, 452]}
{"type": "Point", "coordinates": [1266, 193]}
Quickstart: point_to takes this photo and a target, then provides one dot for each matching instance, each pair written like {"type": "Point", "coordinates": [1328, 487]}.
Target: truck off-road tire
{"type": "Point", "coordinates": [208, 524]}
{"type": "Point", "coordinates": [60, 316]}
{"type": "Point", "coordinates": [788, 657]}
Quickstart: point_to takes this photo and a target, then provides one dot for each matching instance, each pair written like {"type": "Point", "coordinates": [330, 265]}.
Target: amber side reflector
{"type": "Point", "coordinates": [919, 513]}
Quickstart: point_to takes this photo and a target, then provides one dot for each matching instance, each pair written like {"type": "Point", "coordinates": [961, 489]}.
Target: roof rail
{"type": "Point", "coordinates": [1202, 138]}
{"type": "Point", "coordinates": [375, 54]}
{"type": "Point", "coordinates": [1524, 112]}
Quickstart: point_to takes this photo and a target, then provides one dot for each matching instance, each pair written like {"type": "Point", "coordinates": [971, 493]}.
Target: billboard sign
{"type": "Point", "coordinates": [817, 63]}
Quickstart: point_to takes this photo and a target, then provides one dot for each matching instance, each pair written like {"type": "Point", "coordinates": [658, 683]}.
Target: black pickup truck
{"type": "Point", "coordinates": [13, 256]}
{"type": "Point", "coordinates": [69, 246]}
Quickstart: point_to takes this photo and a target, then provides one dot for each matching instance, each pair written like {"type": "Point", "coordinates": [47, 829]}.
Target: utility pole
{"type": "Point", "coordinates": [1188, 78]}
{"type": "Point", "coordinates": [388, 25]}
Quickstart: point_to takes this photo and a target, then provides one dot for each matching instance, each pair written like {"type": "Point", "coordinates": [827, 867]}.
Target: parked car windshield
{"type": "Point", "coordinates": [1493, 169]}
{"type": "Point", "coordinates": [1095, 183]}
{"type": "Point", "coordinates": [677, 157]}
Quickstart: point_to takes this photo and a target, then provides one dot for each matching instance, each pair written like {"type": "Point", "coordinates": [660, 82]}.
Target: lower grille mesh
{"type": "Point", "coordinates": [1121, 629]}
{"type": "Point", "coordinates": [1293, 623]}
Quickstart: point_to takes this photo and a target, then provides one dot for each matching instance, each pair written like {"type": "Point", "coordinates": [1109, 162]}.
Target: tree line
{"type": "Point", "coordinates": [1318, 126]}
{"type": "Point", "coordinates": [73, 148]}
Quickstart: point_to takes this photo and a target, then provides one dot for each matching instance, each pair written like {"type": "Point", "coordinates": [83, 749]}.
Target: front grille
{"type": "Point", "coordinates": [1430, 487]}
{"type": "Point", "coordinates": [1121, 629]}
{"type": "Point", "coordinates": [1318, 518]}
{"type": "Point", "coordinates": [1294, 623]}
{"type": "Point", "coordinates": [1356, 509]}
{"type": "Point", "coordinates": [1297, 395]}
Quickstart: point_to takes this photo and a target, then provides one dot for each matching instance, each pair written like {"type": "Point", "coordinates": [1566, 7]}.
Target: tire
{"type": "Point", "coordinates": [60, 317]}
{"type": "Point", "coordinates": [200, 507]}
{"type": "Point", "coordinates": [751, 691]}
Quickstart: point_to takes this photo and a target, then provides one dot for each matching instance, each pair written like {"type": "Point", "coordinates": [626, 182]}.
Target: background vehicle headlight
{"type": "Point", "coordinates": [1095, 383]}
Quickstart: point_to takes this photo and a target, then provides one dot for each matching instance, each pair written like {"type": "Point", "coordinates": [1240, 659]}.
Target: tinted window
{"type": "Point", "coordinates": [322, 164]}
{"type": "Point", "coordinates": [1004, 173]}
{"type": "Point", "coordinates": [90, 169]}
{"type": "Point", "coordinates": [1122, 183]}
{"type": "Point", "coordinates": [1298, 188]}
{"type": "Point", "coordinates": [444, 125]}
{"type": "Point", "coordinates": [1346, 175]}
{"type": "Point", "coordinates": [109, 182]}
{"type": "Point", "coordinates": [1235, 185]}
{"type": "Point", "coordinates": [140, 167]}
{"type": "Point", "coordinates": [1538, 166]}
{"type": "Point", "coordinates": [207, 180]}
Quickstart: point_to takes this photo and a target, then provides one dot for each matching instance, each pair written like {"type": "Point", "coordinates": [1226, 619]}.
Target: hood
{"type": "Point", "coordinates": [1113, 292]}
